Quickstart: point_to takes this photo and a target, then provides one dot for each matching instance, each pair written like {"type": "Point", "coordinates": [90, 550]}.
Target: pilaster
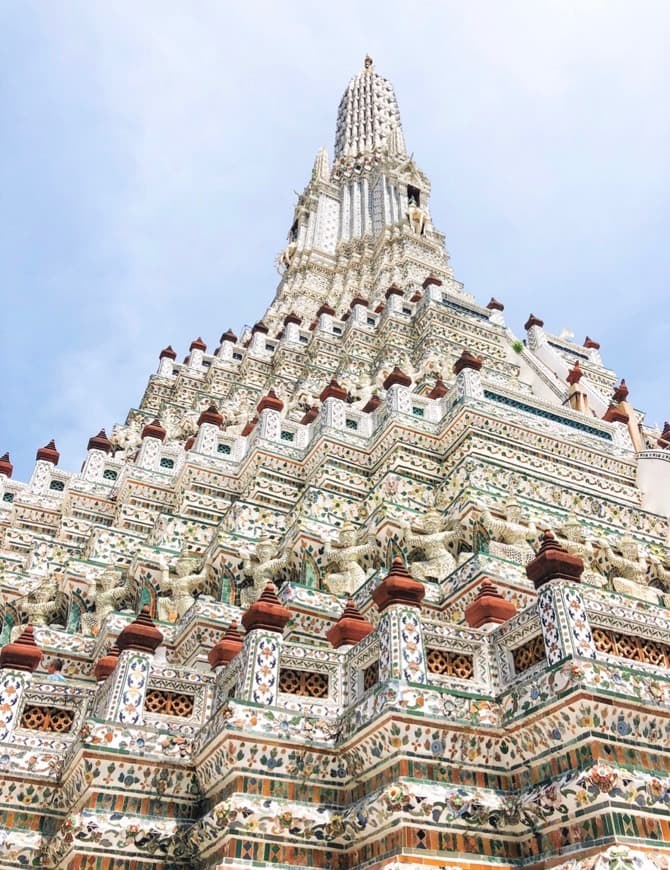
{"type": "Point", "coordinates": [258, 679]}
{"type": "Point", "coordinates": [264, 621]}
{"type": "Point", "coordinates": [122, 699]}
{"type": "Point", "coordinates": [149, 454]}
{"type": "Point", "coordinates": [207, 439]}
{"type": "Point", "coordinates": [13, 684]}
{"type": "Point", "coordinates": [469, 385]}
{"type": "Point", "coordinates": [565, 627]}
{"type": "Point", "coordinates": [401, 646]}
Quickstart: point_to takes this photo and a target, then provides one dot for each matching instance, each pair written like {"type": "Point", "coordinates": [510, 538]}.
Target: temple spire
{"type": "Point", "coordinates": [367, 116]}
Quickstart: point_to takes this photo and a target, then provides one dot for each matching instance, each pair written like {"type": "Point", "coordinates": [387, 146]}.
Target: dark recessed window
{"type": "Point", "coordinates": [414, 193]}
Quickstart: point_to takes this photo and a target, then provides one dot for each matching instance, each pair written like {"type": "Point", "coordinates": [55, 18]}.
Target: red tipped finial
{"type": "Point", "coordinates": [431, 279]}
{"type": "Point", "coordinates": [488, 607]}
{"type": "Point", "coordinates": [6, 466]}
{"type": "Point", "coordinates": [620, 393]}
{"type": "Point", "coordinates": [227, 648]}
{"type": "Point", "coordinates": [310, 415]}
{"type": "Point", "coordinates": [23, 654]}
{"type": "Point", "coordinates": [266, 614]}
{"type": "Point", "coordinates": [467, 360]}
{"type": "Point", "coordinates": [48, 453]}
{"type": "Point", "coordinates": [372, 404]}
{"type": "Point", "coordinates": [553, 563]}
{"type": "Point", "coordinates": [398, 587]}
{"type": "Point", "coordinates": [351, 627]}
{"type": "Point", "coordinates": [154, 430]}
{"type": "Point", "coordinates": [438, 390]}
{"type": "Point", "coordinates": [100, 442]}
{"type": "Point", "coordinates": [397, 377]}
{"type": "Point", "coordinates": [333, 391]}
{"type": "Point", "coordinates": [270, 401]}
{"type": "Point", "coordinates": [141, 634]}
{"type": "Point", "coordinates": [211, 416]}
{"type": "Point", "coordinates": [106, 664]}
{"type": "Point", "coordinates": [168, 353]}
{"type": "Point", "coordinates": [533, 321]}
{"type": "Point", "coordinates": [575, 374]}
{"type": "Point", "coordinates": [292, 318]}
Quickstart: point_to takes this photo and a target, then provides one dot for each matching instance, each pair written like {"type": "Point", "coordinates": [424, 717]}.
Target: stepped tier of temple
{"type": "Point", "coordinates": [374, 583]}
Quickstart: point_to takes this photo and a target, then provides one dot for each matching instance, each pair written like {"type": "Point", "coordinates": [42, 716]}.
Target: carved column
{"type": "Point", "coordinates": [46, 459]}
{"type": "Point", "coordinates": [468, 379]}
{"type": "Point", "coordinates": [98, 448]}
{"type": "Point", "coordinates": [333, 407]}
{"type": "Point", "coordinates": [121, 698]}
{"type": "Point", "coordinates": [264, 622]}
{"type": "Point", "coordinates": [259, 334]}
{"type": "Point", "coordinates": [197, 352]}
{"type": "Point", "coordinates": [18, 660]}
{"type": "Point", "coordinates": [402, 654]}
{"type": "Point", "coordinates": [291, 329]}
{"type": "Point", "coordinates": [209, 427]}
{"type": "Point", "coordinates": [565, 627]}
{"type": "Point", "coordinates": [398, 394]}
{"type": "Point", "coordinates": [153, 436]}
{"type": "Point", "coordinates": [325, 315]}
{"type": "Point", "coordinates": [269, 417]}
{"type": "Point", "coordinates": [166, 362]}
{"type": "Point", "coordinates": [228, 342]}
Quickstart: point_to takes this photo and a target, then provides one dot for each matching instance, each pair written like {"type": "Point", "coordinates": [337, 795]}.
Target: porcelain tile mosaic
{"type": "Point", "coordinates": [372, 584]}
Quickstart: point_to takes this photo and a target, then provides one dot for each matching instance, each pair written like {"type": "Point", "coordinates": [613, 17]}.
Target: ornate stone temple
{"type": "Point", "coordinates": [374, 583]}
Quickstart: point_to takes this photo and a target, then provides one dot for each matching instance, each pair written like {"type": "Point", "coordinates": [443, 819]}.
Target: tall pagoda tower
{"type": "Point", "coordinates": [372, 584]}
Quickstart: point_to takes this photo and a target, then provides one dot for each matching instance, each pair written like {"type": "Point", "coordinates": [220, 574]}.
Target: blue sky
{"type": "Point", "coordinates": [150, 152]}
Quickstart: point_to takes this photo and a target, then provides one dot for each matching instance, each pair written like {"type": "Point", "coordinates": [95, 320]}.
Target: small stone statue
{"type": "Point", "coordinates": [571, 536]}
{"type": "Point", "coordinates": [41, 603]}
{"type": "Point", "coordinates": [510, 538]}
{"type": "Point", "coordinates": [286, 256]}
{"type": "Point", "coordinates": [627, 570]}
{"type": "Point", "coordinates": [346, 554]}
{"type": "Point", "coordinates": [430, 536]}
{"type": "Point", "coordinates": [628, 564]}
{"type": "Point", "coordinates": [416, 217]}
{"type": "Point", "coordinates": [263, 567]}
{"type": "Point", "coordinates": [659, 574]}
{"type": "Point", "coordinates": [181, 584]}
{"type": "Point", "coordinates": [109, 590]}
{"type": "Point", "coordinates": [127, 437]}
{"type": "Point", "coordinates": [361, 388]}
